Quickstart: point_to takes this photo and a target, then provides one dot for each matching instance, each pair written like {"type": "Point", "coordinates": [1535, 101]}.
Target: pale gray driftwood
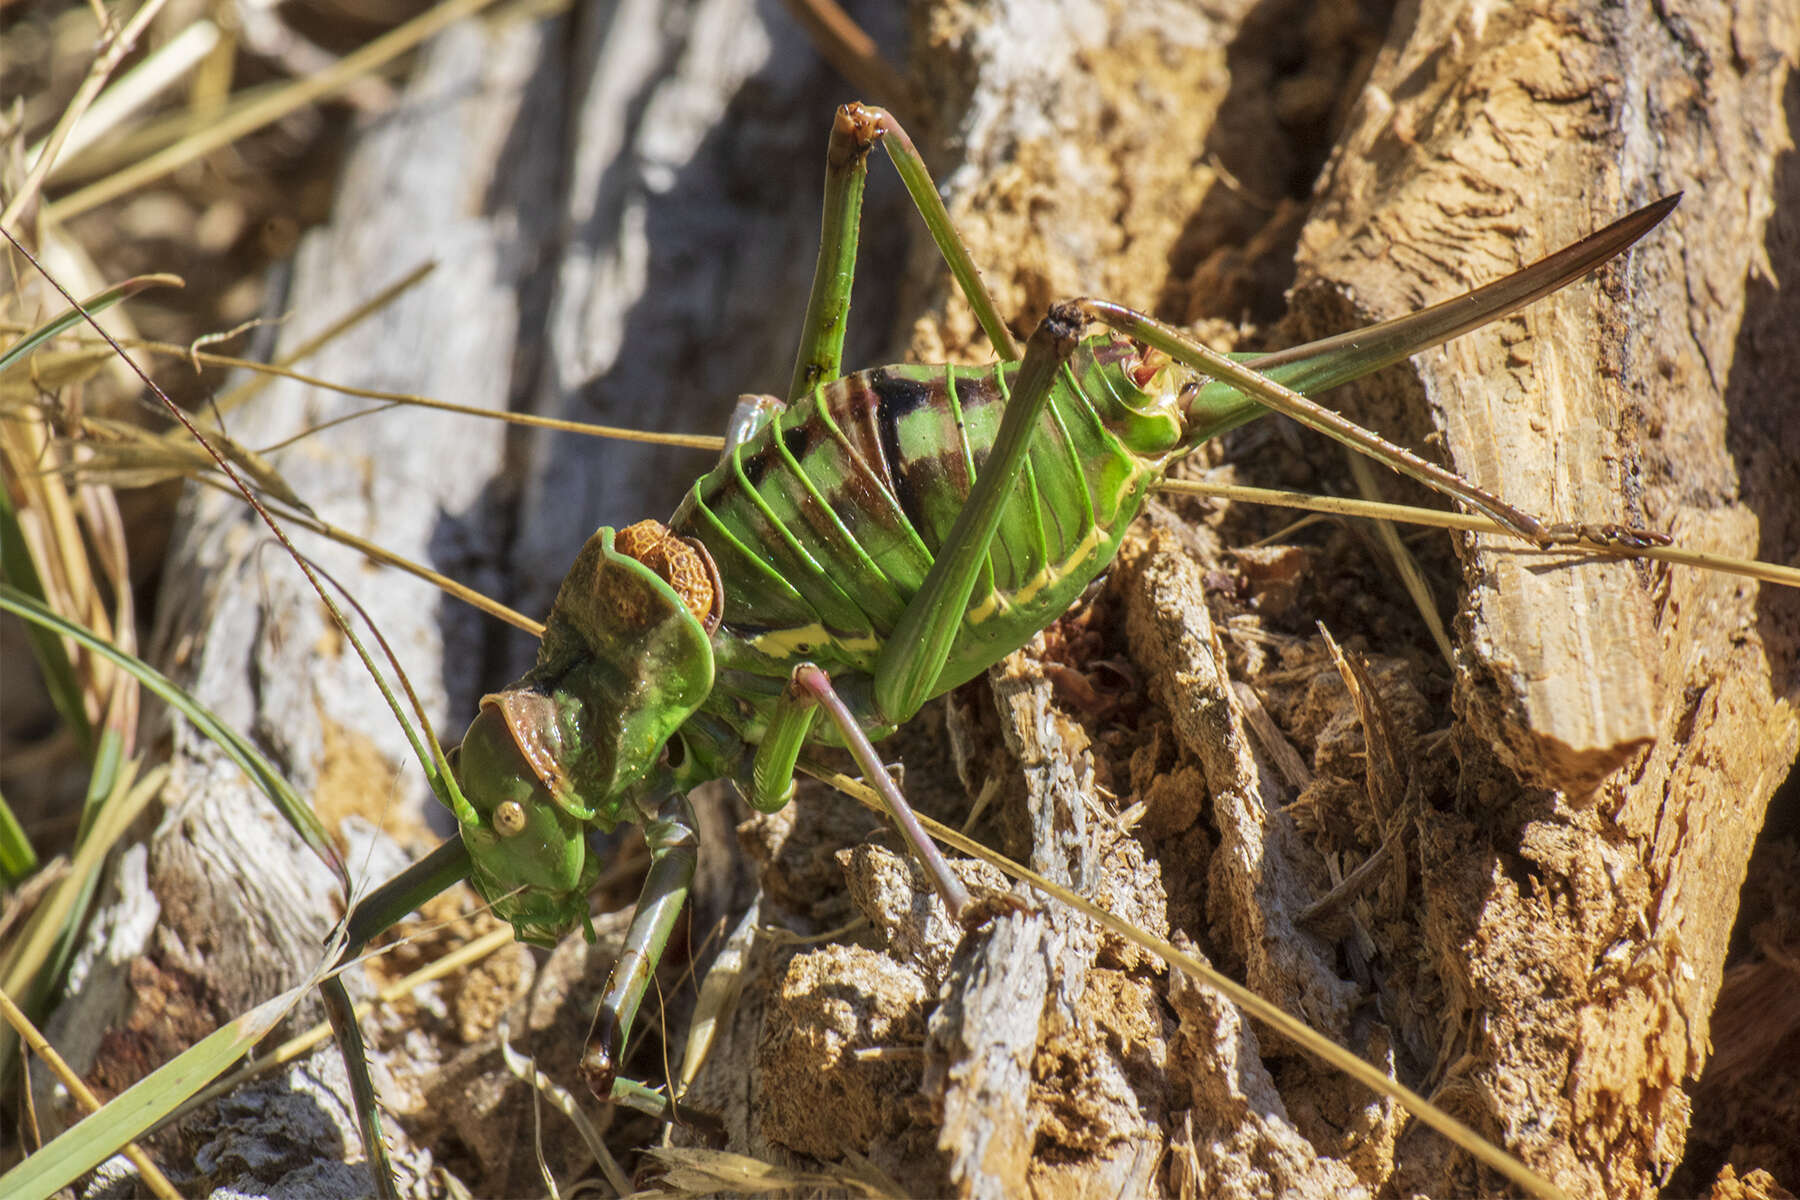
{"type": "Point", "coordinates": [621, 205]}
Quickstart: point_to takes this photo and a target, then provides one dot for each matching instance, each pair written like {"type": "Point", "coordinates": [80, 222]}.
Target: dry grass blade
{"type": "Point", "coordinates": [1404, 563]}
{"type": "Point", "coordinates": [65, 540]}
{"type": "Point", "coordinates": [261, 373]}
{"type": "Point", "coordinates": [1780, 574]}
{"type": "Point", "coordinates": [117, 44]}
{"type": "Point", "coordinates": [392, 399]}
{"type": "Point", "coordinates": [844, 44]}
{"type": "Point", "coordinates": [122, 455]}
{"type": "Point", "coordinates": [24, 958]}
{"type": "Point", "coordinates": [159, 69]}
{"type": "Point", "coordinates": [251, 118]}
{"type": "Point", "coordinates": [523, 1067]}
{"type": "Point", "coordinates": [1288, 1026]}
{"type": "Point", "coordinates": [694, 1172]}
{"type": "Point", "coordinates": [21, 1025]}
{"type": "Point", "coordinates": [434, 760]}
{"type": "Point", "coordinates": [140, 1107]}
{"type": "Point", "coordinates": [718, 993]}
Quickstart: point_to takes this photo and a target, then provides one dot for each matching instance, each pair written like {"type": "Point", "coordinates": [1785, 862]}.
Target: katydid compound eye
{"type": "Point", "coordinates": [509, 819]}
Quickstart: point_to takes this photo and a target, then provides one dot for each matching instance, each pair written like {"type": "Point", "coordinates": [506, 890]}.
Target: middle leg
{"type": "Point", "coordinates": [809, 693]}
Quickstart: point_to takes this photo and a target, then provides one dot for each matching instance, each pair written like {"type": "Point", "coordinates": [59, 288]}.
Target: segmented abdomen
{"type": "Point", "coordinates": [825, 523]}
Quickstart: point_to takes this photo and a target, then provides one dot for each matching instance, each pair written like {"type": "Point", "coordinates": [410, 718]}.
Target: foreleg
{"type": "Point", "coordinates": [674, 853]}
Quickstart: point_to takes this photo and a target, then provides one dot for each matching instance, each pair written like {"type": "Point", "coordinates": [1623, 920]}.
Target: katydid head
{"type": "Point", "coordinates": [529, 851]}
{"type": "Point", "coordinates": [626, 659]}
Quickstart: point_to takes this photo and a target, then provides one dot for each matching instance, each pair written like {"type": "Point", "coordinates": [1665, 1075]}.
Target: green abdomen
{"type": "Point", "coordinates": [825, 524]}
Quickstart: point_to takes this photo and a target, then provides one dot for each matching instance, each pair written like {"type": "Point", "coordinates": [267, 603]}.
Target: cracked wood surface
{"type": "Point", "coordinates": [1542, 943]}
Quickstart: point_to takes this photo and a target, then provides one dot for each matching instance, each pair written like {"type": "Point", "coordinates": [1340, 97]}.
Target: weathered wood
{"type": "Point", "coordinates": [1647, 700]}
{"type": "Point", "coordinates": [245, 908]}
{"type": "Point", "coordinates": [1541, 939]}
{"type": "Point", "coordinates": [1566, 876]}
{"type": "Point", "coordinates": [621, 208]}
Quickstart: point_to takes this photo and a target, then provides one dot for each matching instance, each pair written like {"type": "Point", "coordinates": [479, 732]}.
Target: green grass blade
{"type": "Point", "coordinates": [40, 954]}
{"type": "Point", "coordinates": [17, 569]}
{"type": "Point", "coordinates": [63, 907]}
{"type": "Point", "coordinates": [17, 858]}
{"type": "Point", "coordinates": [100, 1135]}
{"type": "Point", "coordinates": [404, 893]}
{"type": "Point", "coordinates": [111, 805]}
{"type": "Point", "coordinates": [102, 778]}
{"type": "Point", "coordinates": [98, 302]}
{"type": "Point", "coordinates": [250, 760]}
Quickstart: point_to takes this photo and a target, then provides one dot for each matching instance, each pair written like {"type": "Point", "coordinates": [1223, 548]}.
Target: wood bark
{"type": "Point", "coordinates": [624, 208]}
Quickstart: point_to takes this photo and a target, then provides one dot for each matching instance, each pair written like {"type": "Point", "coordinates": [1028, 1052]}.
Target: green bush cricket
{"type": "Point", "coordinates": [730, 683]}
{"type": "Point", "coordinates": [880, 539]}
